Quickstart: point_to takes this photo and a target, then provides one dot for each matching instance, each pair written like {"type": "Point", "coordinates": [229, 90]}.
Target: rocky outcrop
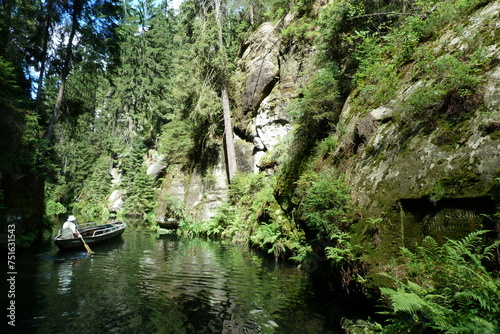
{"type": "Point", "coordinates": [116, 200]}
{"type": "Point", "coordinates": [197, 194]}
{"type": "Point", "coordinates": [393, 159]}
{"type": "Point", "coordinates": [269, 75]}
{"type": "Point", "coordinates": [257, 73]}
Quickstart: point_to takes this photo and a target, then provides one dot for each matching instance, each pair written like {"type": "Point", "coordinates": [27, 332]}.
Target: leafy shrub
{"type": "Point", "coordinates": [326, 146]}
{"type": "Point", "coordinates": [251, 215]}
{"type": "Point", "coordinates": [176, 141]}
{"type": "Point", "coordinates": [326, 202]}
{"type": "Point", "coordinates": [378, 38]}
{"type": "Point", "coordinates": [321, 102]}
{"type": "Point", "coordinates": [448, 289]}
{"type": "Point", "coordinates": [54, 208]}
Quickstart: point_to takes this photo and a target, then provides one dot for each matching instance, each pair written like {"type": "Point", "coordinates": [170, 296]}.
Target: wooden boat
{"type": "Point", "coordinates": [91, 234]}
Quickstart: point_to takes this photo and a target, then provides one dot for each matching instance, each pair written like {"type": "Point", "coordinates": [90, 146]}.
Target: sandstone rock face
{"type": "Point", "coordinates": [199, 196]}
{"type": "Point", "coordinates": [269, 75]}
{"type": "Point", "coordinates": [155, 169]}
{"type": "Point", "coordinates": [390, 157]}
{"type": "Point", "coordinates": [272, 124]}
{"type": "Point", "coordinates": [257, 74]}
{"type": "Point", "coordinates": [116, 200]}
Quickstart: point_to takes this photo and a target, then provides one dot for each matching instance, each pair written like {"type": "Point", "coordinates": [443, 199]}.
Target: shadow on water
{"type": "Point", "coordinates": [149, 283]}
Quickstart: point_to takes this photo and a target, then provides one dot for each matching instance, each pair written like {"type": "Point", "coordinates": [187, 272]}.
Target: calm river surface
{"type": "Point", "coordinates": [149, 283]}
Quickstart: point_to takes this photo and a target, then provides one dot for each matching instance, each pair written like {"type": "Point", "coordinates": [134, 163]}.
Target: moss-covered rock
{"type": "Point", "coordinates": [429, 168]}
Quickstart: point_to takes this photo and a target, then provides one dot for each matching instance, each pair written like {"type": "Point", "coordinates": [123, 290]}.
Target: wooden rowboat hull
{"type": "Point", "coordinates": [92, 235]}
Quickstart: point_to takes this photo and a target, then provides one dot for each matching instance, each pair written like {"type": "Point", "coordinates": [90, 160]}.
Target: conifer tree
{"type": "Point", "coordinates": [91, 27]}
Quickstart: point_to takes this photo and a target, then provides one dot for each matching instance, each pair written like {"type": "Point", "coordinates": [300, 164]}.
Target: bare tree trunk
{"type": "Point", "coordinates": [228, 128]}
{"type": "Point", "coordinates": [64, 76]}
{"type": "Point", "coordinates": [251, 14]}
{"type": "Point", "coordinates": [44, 57]}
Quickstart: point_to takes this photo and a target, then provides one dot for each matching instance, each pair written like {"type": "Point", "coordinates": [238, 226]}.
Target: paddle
{"type": "Point", "coordinates": [86, 246]}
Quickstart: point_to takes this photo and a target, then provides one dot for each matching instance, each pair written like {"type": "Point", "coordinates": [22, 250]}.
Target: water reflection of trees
{"type": "Point", "coordinates": [218, 287]}
{"type": "Point", "coordinates": [151, 284]}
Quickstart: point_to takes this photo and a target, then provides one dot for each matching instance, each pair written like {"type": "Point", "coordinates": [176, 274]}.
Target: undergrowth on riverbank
{"type": "Point", "coordinates": [445, 288]}
{"type": "Point", "coordinates": [252, 215]}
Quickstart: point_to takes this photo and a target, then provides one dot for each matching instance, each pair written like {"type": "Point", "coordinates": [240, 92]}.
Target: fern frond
{"type": "Point", "coordinates": [430, 247]}
{"type": "Point", "coordinates": [402, 301]}
{"type": "Point", "coordinates": [453, 291]}
{"type": "Point", "coordinates": [489, 250]}
{"type": "Point", "coordinates": [485, 300]}
{"type": "Point", "coordinates": [407, 254]}
{"type": "Point", "coordinates": [469, 242]}
{"type": "Point", "coordinates": [475, 324]}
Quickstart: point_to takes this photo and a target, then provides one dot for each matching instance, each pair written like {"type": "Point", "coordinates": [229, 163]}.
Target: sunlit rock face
{"type": "Point", "coordinates": [269, 75]}
{"type": "Point", "coordinates": [197, 193]}
{"type": "Point", "coordinates": [116, 200]}
{"type": "Point", "coordinates": [394, 159]}
{"type": "Point", "coordinates": [256, 75]}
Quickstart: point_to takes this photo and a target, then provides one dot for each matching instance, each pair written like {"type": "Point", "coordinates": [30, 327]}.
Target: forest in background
{"type": "Point", "coordinates": [92, 85]}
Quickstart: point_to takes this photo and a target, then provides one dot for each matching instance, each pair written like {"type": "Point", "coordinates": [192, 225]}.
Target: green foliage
{"type": "Point", "coordinates": [377, 39]}
{"type": "Point", "coordinates": [326, 147]}
{"type": "Point", "coordinates": [91, 204]}
{"type": "Point", "coordinates": [279, 8]}
{"type": "Point", "coordinates": [361, 326]}
{"type": "Point", "coordinates": [316, 114]}
{"type": "Point", "coordinates": [320, 105]}
{"type": "Point", "coordinates": [448, 288]}
{"type": "Point", "coordinates": [8, 85]}
{"type": "Point", "coordinates": [252, 215]}
{"type": "Point", "coordinates": [176, 142]}
{"type": "Point", "coordinates": [141, 188]}
{"type": "Point", "coordinates": [141, 85]}
{"type": "Point", "coordinates": [302, 30]}
{"type": "Point", "coordinates": [343, 251]}
{"type": "Point", "coordinates": [326, 201]}
{"type": "Point", "coordinates": [54, 208]}
{"type": "Point", "coordinates": [454, 77]}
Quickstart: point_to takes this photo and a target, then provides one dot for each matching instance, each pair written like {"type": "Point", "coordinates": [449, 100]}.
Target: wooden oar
{"type": "Point", "coordinates": [86, 246]}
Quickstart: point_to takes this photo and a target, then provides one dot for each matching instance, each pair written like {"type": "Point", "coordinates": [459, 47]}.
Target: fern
{"type": "Point", "coordinates": [451, 290]}
{"type": "Point", "coordinates": [403, 301]}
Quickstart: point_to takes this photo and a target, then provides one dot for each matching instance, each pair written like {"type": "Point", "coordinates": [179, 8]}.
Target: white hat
{"type": "Point", "coordinates": [71, 218]}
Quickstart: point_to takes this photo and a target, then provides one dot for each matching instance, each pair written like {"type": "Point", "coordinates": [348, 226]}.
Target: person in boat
{"type": "Point", "coordinates": [69, 229]}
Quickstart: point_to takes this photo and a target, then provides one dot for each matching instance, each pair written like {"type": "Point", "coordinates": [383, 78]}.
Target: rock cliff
{"type": "Point", "coordinates": [269, 75]}
{"type": "Point", "coordinates": [437, 171]}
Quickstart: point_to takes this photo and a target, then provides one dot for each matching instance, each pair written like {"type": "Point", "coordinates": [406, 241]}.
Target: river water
{"type": "Point", "coordinates": [144, 282]}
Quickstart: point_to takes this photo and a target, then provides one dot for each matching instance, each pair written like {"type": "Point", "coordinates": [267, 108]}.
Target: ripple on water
{"type": "Point", "coordinates": [149, 284]}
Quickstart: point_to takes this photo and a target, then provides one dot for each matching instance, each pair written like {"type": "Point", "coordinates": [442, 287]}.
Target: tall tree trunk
{"type": "Point", "coordinates": [43, 61]}
{"type": "Point", "coordinates": [64, 75]}
{"type": "Point", "coordinates": [228, 128]}
{"type": "Point", "coordinates": [251, 15]}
